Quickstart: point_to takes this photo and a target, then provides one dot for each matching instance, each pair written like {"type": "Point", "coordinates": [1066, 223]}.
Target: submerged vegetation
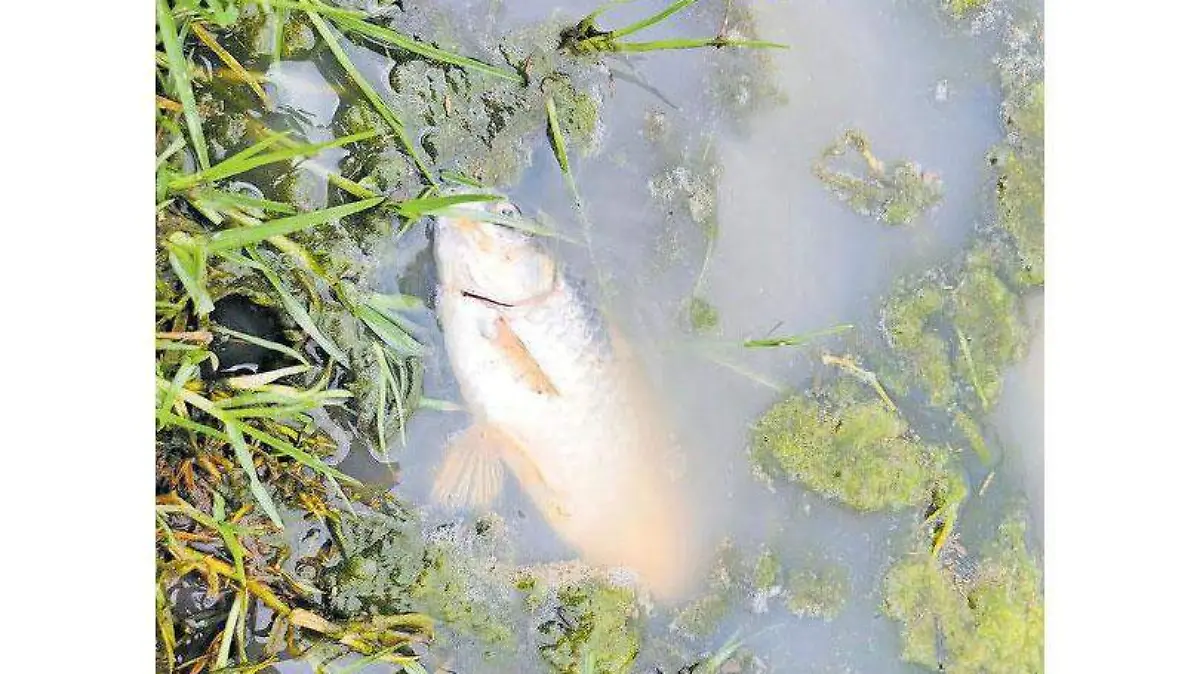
{"type": "Point", "coordinates": [962, 614]}
{"type": "Point", "coordinates": [819, 592]}
{"type": "Point", "coordinates": [895, 194]}
{"type": "Point", "coordinates": [594, 628]}
{"type": "Point", "coordinates": [947, 337]}
{"type": "Point", "coordinates": [845, 443]}
{"type": "Point", "coordinates": [808, 586]}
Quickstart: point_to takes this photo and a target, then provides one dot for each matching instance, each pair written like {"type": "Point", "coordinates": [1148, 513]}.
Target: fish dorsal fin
{"type": "Point", "coordinates": [517, 354]}
{"type": "Point", "coordinates": [472, 473]}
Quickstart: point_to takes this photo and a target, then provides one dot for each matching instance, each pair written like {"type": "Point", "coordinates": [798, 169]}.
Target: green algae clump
{"type": "Point", "coordinates": [948, 340]}
{"type": "Point", "coordinates": [960, 8]}
{"type": "Point", "coordinates": [702, 315]}
{"type": "Point", "coordinates": [766, 570]}
{"type": "Point", "coordinates": [850, 448]}
{"type": "Point", "coordinates": [819, 592]}
{"type": "Point", "coordinates": [909, 323]}
{"type": "Point", "coordinates": [990, 619]}
{"type": "Point", "coordinates": [700, 618]}
{"type": "Point", "coordinates": [895, 194]}
{"type": "Point", "coordinates": [1020, 184]}
{"type": "Point", "coordinates": [386, 566]}
{"type": "Point", "coordinates": [596, 629]}
{"type": "Point", "coordinates": [988, 326]}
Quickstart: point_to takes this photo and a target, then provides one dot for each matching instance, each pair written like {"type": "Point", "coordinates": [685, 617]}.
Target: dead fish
{"type": "Point", "coordinates": [558, 399]}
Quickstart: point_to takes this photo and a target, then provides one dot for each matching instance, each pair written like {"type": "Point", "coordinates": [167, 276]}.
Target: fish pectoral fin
{"type": "Point", "coordinates": [472, 473]}
{"type": "Point", "coordinates": [526, 367]}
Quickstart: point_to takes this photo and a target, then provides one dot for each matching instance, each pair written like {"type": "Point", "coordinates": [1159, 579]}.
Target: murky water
{"type": "Point", "coordinates": [788, 259]}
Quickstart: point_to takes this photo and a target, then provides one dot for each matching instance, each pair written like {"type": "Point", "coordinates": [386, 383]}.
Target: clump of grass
{"type": "Point", "coordinates": [180, 77]}
{"type": "Point", "coordinates": [333, 43]}
{"type": "Point", "coordinates": [895, 194]}
{"type": "Point", "coordinates": [586, 38]}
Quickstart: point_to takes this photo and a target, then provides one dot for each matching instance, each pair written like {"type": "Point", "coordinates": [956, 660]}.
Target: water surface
{"type": "Point", "coordinates": [788, 258]}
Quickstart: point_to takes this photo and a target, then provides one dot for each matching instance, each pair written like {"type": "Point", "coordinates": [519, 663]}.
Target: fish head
{"type": "Point", "coordinates": [477, 254]}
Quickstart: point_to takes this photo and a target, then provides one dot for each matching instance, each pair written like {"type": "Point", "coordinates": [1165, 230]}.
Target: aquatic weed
{"type": "Point", "coordinates": [585, 38]}
{"type": "Point", "coordinates": [895, 194]}
{"type": "Point", "coordinates": [845, 445]}
{"type": "Point", "coordinates": [988, 619]}
{"type": "Point", "coordinates": [596, 628]}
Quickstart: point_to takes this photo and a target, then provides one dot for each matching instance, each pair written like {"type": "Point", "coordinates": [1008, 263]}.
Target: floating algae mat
{"type": "Point", "coordinates": [749, 289]}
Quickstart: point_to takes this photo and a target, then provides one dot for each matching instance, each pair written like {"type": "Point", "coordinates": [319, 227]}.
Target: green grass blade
{"type": "Point", "coordinates": [391, 37]}
{"type": "Point", "coordinates": [259, 341]}
{"type": "Point", "coordinates": [318, 7]}
{"type": "Point", "coordinates": [244, 236]}
{"type": "Point", "coordinates": [296, 454]}
{"type": "Point", "coordinates": [366, 661]}
{"type": "Point", "coordinates": [235, 611]}
{"type": "Point", "coordinates": [396, 302]}
{"type": "Point", "coordinates": [260, 379]}
{"type": "Point", "coordinates": [415, 208]}
{"type": "Point", "coordinates": [186, 372]}
{"type": "Point", "coordinates": [229, 60]}
{"type": "Point", "coordinates": [271, 138]}
{"type": "Point", "coordinates": [559, 144]}
{"type": "Point", "coordinates": [389, 115]}
{"type": "Point", "coordinates": [165, 620]}
{"type": "Point", "coordinates": [694, 43]}
{"type": "Point", "coordinates": [519, 223]}
{"type": "Point", "coordinates": [461, 179]}
{"type": "Point", "coordinates": [188, 260]}
{"type": "Point", "coordinates": [177, 145]}
{"type": "Point", "coordinates": [350, 186]}
{"type": "Point", "coordinates": [650, 21]}
{"type": "Point", "coordinates": [240, 164]}
{"type": "Point", "coordinates": [177, 64]}
{"type": "Point", "coordinates": [388, 330]}
{"type": "Point", "coordinates": [298, 312]}
{"type": "Point", "coordinates": [228, 200]}
{"type": "Point", "coordinates": [796, 340]}
{"type": "Point", "coordinates": [279, 20]}
{"type": "Point", "coordinates": [280, 394]}
{"type": "Point", "coordinates": [381, 390]}
{"type": "Point", "coordinates": [439, 405]}
{"type": "Point", "coordinates": [242, 453]}
{"type": "Point", "coordinates": [713, 664]}
{"type": "Point", "coordinates": [172, 419]}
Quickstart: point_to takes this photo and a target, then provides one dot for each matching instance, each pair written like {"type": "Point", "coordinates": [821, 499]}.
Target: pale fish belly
{"type": "Point", "coordinates": [599, 445]}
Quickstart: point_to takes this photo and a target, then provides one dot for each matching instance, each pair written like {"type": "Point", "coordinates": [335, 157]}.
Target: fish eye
{"type": "Point", "coordinates": [508, 210]}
